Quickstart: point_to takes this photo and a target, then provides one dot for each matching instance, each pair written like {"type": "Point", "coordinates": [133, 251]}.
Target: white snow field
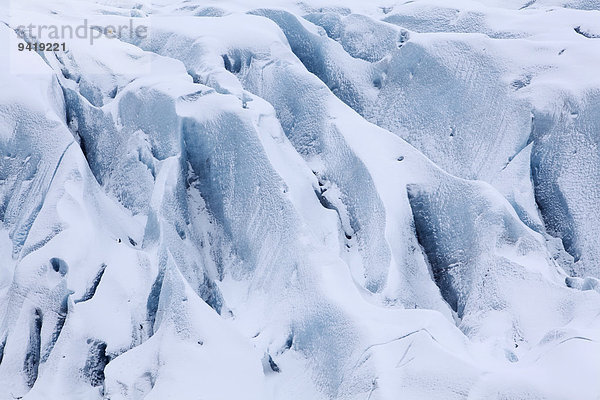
{"type": "Point", "coordinates": [312, 200]}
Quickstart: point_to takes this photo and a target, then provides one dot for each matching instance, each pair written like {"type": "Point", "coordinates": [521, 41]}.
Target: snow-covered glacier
{"type": "Point", "coordinates": [322, 199]}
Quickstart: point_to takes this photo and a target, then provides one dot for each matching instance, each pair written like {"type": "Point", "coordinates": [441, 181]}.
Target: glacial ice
{"type": "Point", "coordinates": [320, 200]}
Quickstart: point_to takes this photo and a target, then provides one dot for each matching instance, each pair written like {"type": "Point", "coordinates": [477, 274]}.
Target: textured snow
{"type": "Point", "coordinates": [314, 200]}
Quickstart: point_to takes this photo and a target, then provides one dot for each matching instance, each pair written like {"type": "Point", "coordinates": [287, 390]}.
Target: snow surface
{"type": "Point", "coordinates": [301, 200]}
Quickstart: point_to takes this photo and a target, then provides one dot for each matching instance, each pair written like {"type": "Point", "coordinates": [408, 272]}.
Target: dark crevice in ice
{"type": "Point", "coordinates": [91, 291]}
{"type": "Point", "coordinates": [232, 64]}
{"type": "Point", "coordinates": [273, 365]}
{"type": "Point", "coordinates": [528, 4]}
{"type": "Point", "coordinates": [585, 33]}
{"type": "Point", "coordinates": [2, 346]}
{"type": "Point", "coordinates": [269, 365]}
{"type": "Point", "coordinates": [434, 255]}
{"type": "Point", "coordinates": [153, 301]}
{"type": "Point", "coordinates": [32, 357]}
{"type": "Point", "coordinates": [60, 323]}
{"type": "Point", "coordinates": [82, 145]}
{"type": "Point", "coordinates": [549, 198]}
{"type": "Point", "coordinates": [289, 342]}
{"type": "Point", "coordinates": [59, 265]}
{"type": "Point", "coordinates": [96, 363]}
{"type": "Point", "coordinates": [209, 292]}
{"type": "Point", "coordinates": [323, 200]}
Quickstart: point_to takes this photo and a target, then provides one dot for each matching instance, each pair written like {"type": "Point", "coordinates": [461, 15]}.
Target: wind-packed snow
{"type": "Point", "coordinates": [313, 200]}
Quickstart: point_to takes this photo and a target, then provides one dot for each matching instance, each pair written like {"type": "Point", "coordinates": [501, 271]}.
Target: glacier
{"type": "Point", "coordinates": [301, 200]}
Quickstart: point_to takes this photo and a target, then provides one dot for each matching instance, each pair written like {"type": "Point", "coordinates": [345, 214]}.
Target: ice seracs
{"type": "Point", "coordinates": [301, 201]}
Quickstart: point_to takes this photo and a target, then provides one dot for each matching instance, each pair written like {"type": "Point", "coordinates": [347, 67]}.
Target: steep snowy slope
{"type": "Point", "coordinates": [302, 201]}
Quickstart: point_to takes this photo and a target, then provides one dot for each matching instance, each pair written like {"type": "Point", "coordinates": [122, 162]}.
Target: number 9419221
{"type": "Point", "coordinates": [50, 46]}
